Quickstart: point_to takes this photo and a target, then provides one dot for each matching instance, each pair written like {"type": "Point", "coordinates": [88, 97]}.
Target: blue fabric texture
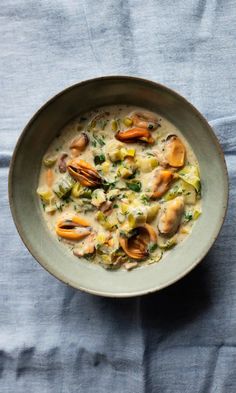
{"type": "Point", "coordinates": [54, 339]}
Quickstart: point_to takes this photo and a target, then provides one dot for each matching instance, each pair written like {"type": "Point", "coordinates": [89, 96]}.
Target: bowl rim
{"type": "Point", "coordinates": [58, 275]}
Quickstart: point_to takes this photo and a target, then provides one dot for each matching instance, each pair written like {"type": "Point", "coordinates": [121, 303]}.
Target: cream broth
{"type": "Point", "coordinates": [120, 186]}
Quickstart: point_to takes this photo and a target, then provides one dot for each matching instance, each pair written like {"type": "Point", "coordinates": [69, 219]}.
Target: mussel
{"type": "Point", "coordinates": [74, 228]}
{"type": "Point", "coordinates": [62, 163]}
{"type": "Point", "coordinates": [84, 172]}
{"type": "Point", "coordinates": [170, 216]}
{"type": "Point", "coordinates": [136, 246]}
{"type": "Point", "coordinates": [136, 134]}
{"type": "Point", "coordinates": [161, 182]}
{"type": "Point", "coordinates": [174, 151]}
{"type": "Point", "coordinates": [144, 120]}
{"type": "Point", "coordinates": [79, 144]}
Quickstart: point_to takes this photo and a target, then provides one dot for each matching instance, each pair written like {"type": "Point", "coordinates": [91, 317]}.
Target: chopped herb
{"type": "Point", "coordinates": [115, 206]}
{"type": "Point", "coordinates": [98, 140]}
{"type": "Point", "coordinates": [108, 185]}
{"type": "Point", "coordinates": [68, 199]}
{"type": "Point", "coordinates": [134, 186]}
{"type": "Point", "coordinates": [188, 216]}
{"type": "Point", "coordinates": [91, 125]}
{"type": "Point", "coordinates": [43, 205]}
{"type": "Point", "coordinates": [86, 193]}
{"type": "Point", "coordinates": [88, 207]}
{"type": "Point", "coordinates": [98, 160]}
{"type": "Point", "coordinates": [102, 123]}
{"type": "Point", "coordinates": [152, 247]}
{"type": "Point", "coordinates": [59, 206]}
{"type": "Point", "coordinates": [101, 142]}
{"type": "Point", "coordinates": [145, 199]}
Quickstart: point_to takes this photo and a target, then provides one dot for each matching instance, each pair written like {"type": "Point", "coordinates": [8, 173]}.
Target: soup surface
{"type": "Point", "coordinates": [120, 186]}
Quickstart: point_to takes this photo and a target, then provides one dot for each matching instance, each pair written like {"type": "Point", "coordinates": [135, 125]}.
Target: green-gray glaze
{"type": "Point", "coordinates": [26, 162]}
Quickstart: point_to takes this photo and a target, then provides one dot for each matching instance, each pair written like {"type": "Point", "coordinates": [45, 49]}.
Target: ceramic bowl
{"type": "Point", "coordinates": [24, 172]}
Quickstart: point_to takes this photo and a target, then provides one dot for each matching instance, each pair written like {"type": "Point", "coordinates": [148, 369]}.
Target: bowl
{"type": "Point", "coordinates": [25, 167]}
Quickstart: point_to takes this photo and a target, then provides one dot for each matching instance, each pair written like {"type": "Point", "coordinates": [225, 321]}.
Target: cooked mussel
{"type": "Point", "coordinates": [174, 151]}
{"type": "Point", "coordinates": [144, 120]}
{"type": "Point", "coordinates": [62, 163]}
{"type": "Point", "coordinates": [161, 182]}
{"type": "Point", "coordinates": [79, 144]}
{"type": "Point", "coordinates": [170, 216]}
{"type": "Point", "coordinates": [74, 228]}
{"type": "Point", "coordinates": [136, 134]}
{"type": "Point", "coordinates": [136, 246]}
{"type": "Point", "coordinates": [84, 172]}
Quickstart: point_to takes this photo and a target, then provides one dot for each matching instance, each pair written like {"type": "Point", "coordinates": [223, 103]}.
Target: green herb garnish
{"type": "Point", "coordinates": [108, 185]}
{"type": "Point", "coordinates": [152, 247]}
{"type": "Point", "coordinates": [188, 216]}
{"type": "Point", "coordinates": [98, 140]}
{"type": "Point", "coordinates": [135, 186]}
{"type": "Point", "coordinates": [102, 123]}
{"type": "Point", "coordinates": [59, 206]}
{"type": "Point", "coordinates": [145, 199]}
{"type": "Point", "coordinates": [68, 199]}
{"type": "Point", "coordinates": [98, 160]}
{"type": "Point", "coordinates": [86, 193]}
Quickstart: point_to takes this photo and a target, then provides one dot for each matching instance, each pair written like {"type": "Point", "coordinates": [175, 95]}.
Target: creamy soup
{"type": "Point", "coordinates": [120, 186]}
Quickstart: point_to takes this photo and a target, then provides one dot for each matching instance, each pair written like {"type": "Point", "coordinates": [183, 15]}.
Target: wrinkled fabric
{"type": "Point", "coordinates": [56, 339]}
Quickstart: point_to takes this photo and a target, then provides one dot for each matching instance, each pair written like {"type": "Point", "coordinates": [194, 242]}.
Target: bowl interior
{"type": "Point", "coordinates": [26, 163]}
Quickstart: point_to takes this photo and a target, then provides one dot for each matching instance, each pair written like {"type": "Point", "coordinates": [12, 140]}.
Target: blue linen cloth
{"type": "Point", "coordinates": [56, 339]}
